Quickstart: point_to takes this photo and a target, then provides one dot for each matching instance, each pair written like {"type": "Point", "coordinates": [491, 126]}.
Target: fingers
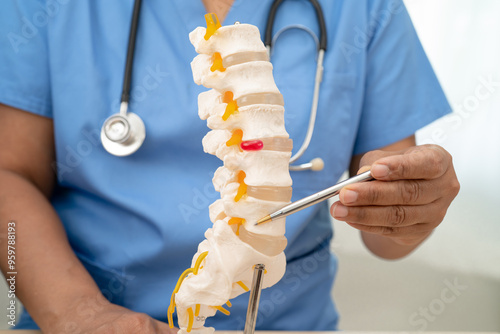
{"type": "Point", "coordinates": [422, 185]}
{"type": "Point", "coordinates": [407, 192]}
{"type": "Point", "coordinates": [421, 162]}
{"type": "Point", "coordinates": [393, 217]}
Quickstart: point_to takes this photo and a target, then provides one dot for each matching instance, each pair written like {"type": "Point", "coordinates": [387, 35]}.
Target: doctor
{"type": "Point", "coordinates": [101, 240]}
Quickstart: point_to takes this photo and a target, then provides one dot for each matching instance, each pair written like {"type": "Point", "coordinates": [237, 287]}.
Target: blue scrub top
{"type": "Point", "coordinates": [135, 222]}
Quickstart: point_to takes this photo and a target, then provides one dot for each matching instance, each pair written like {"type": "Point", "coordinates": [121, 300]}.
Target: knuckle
{"type": "Point", "coordinates": [410, 191]}
{"type": "Point", "coordinates": [372, 194]}
{"type": "Point", "coordinates": [404, 168]}
{"type": "Point", "coordinates": [397, 216]}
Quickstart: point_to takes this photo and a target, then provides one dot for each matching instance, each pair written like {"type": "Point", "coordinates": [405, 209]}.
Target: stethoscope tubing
{"type": "Point", "coordinates": [268, 36]}
{"type": "Point", "coordinates": [129, 63]}
{"type": "Point", "coordinates": [269, 41]}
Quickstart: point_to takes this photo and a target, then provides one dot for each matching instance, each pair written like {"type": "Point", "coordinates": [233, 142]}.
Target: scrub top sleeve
{"type": "Point", "coordinates": [24, 65]}
{"type": "Point", "coordinates": [402, 92]}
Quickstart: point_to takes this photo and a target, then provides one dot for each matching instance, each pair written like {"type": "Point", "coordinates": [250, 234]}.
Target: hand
{"type": "Point", "coordinates": [98, 316]}
{"type": "Point", "coordinates": [409, 198]}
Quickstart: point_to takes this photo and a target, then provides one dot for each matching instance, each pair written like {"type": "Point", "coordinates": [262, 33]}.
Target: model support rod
{"type": "Point", "coordinates": [253, 302]}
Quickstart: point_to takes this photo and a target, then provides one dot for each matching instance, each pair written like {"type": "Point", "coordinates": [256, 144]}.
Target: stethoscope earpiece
{"type": "Point", "coordinates": [316, 165]}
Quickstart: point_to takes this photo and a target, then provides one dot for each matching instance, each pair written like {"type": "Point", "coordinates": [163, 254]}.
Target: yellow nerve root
{"type": "Point", "coordinates": [197, 310]}
{"type": "Point", "coordinates": [242, 189]}
{"type": "Point", "coordinates": [198, 262]}
{"type": "Point", "coordinates": [171, 307]}
{"type": "Point", "coordinates": [243, 286]}
{"type": "Point", "coordinates": [212, 25]}
{"type": "Point", "coordinates": [169, 314]}
{"type": "Point", "coordinates": [191, 320]}
{"type": "Point", "coordinates": [231, 107]}
{"type": "Point", "coordinates": [235, 220]}
{"type": "Point", "coordinates": [217, 63]}
{"type": "Point", "coordinates": [183, 276]}
{"type": "Point", "coordinates": [223, 310]}
{"type": "Point", "coordinates": [236, 138]}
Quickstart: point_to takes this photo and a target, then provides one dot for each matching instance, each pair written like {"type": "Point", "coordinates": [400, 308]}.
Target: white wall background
{"type": "Point", "coordinates": [462, 40]}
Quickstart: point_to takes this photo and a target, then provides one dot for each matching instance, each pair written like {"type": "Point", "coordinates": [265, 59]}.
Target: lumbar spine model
{"type": "Point", "coordinates": [245, 111]}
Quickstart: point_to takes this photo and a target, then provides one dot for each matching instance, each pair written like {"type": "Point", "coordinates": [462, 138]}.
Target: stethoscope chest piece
{"type": "Point", "coordinates": [122, 135]}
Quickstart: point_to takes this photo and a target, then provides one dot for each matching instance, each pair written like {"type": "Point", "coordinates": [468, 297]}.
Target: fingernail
{"type": "Point", "coordinates": [379, 171]}
{"type": "Point", "coordinates": [350, 196]}
{"type": "Point", "coordinates": [340, 211]}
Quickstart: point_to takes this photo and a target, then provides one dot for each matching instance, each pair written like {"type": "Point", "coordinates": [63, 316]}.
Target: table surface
{"type": "Point", "coordinates": [235, 332]}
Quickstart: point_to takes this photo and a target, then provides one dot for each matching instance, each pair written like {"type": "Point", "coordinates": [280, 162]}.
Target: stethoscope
{"type": "Point", "coordinates": [123, 133]}
{"type": "Point", "coordinates": [315, 164]}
